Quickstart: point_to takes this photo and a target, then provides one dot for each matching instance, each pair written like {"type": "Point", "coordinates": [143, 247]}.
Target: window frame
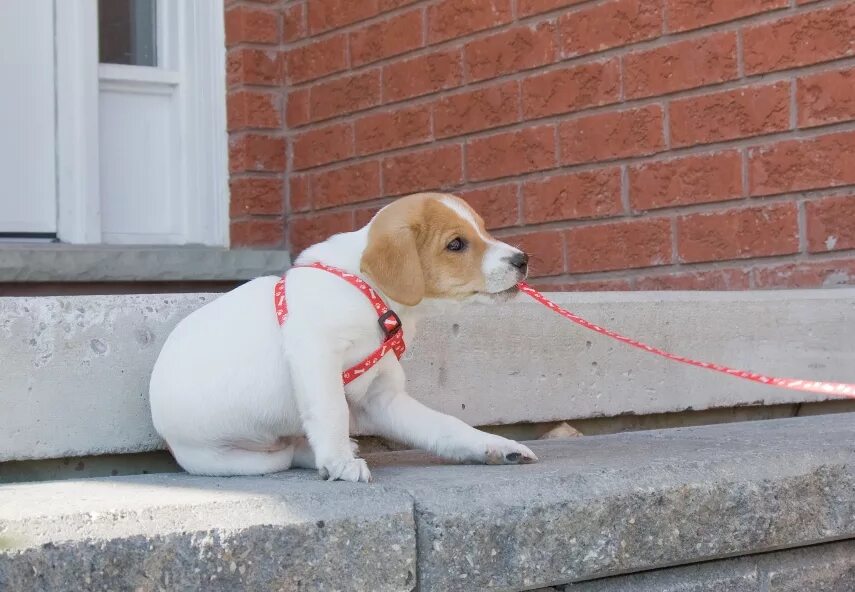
{"type": "Point", "coordinates": [190, 32]}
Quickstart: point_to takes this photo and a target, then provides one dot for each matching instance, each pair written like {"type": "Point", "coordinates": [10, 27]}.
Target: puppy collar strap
{"type": "Point", "coordinates": [390, 324]}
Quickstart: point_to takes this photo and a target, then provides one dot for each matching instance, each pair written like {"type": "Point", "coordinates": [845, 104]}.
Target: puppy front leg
{"type": "Point", "coordinates": [319, 392]}
{"type": "Point", "coordinates": [389, 411]}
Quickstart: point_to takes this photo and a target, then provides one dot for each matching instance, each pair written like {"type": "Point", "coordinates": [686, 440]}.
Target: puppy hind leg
{"type": "Point", "coordinates": [232, 461]}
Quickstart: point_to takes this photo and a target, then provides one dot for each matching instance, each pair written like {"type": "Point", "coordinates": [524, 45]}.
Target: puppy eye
{"type": "Point", "coordinates": [457, 244]}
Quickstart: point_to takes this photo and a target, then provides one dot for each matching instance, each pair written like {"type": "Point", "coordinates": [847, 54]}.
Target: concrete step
{"type": "Point", "coordinates": [75, 370]}
{"type": "Point", "coordinates": [592, 508]}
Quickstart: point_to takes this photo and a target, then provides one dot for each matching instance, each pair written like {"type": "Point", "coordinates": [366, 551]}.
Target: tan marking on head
{"type": "Point", "coordinates": [407, 253]}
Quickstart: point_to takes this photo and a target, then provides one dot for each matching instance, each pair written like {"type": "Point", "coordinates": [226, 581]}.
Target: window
{"type": "Point", "coordinates": [117, 121]}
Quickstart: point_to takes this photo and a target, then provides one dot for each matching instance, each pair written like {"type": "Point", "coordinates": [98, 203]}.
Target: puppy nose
{"type": "Point", "coordinates": [520, 261]}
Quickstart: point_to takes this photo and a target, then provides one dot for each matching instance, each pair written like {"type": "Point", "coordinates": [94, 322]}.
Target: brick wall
{"type": "Point", "coordinates": [627, 144]}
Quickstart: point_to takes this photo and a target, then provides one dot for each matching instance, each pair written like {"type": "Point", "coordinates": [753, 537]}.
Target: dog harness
{"type": "Point", "coordinates": [390, 324]}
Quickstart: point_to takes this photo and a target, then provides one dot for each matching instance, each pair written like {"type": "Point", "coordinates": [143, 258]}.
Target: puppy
{"type": "Point", "coordinates": [235, 393]}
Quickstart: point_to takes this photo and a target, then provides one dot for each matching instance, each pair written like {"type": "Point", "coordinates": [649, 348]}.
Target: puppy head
{"type": "Point", "coordinates": [433, 245]}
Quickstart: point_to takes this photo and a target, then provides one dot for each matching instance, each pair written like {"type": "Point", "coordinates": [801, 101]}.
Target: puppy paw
{"type": "Point", "coordinates": [351, 469]}
{"type": "Point", "coordinates": [507, 452]}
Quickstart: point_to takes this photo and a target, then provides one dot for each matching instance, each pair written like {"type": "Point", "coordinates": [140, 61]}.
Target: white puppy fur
{"type": "Point", "coordinates": [233, 393]}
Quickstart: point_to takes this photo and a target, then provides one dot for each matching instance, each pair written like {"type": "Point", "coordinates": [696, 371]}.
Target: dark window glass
{"type": "Point", "coordinates": [127, 32]}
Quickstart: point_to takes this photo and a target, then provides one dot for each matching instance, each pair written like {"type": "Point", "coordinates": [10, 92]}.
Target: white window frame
{"type": "Point", "coordinates": [190, 32]}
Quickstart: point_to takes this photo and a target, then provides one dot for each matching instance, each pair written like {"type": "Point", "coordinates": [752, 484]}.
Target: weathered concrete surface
{"type": "Point", "coordinates": [75, 369]}
{"type": "Point", "coordinates": [606, 505]}
{"type": "Point", "coordinates": [86, 263]}
{"type": "Point", "coordinates": [821, 568]}
{"type": "Point", "coordinates": [74, 372]}
{"type": "Point", "coordinates": [593, 507]}
{"type": "Point", "coordinates": [175, 532]}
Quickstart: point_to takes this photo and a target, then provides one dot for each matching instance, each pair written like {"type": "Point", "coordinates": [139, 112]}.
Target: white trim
{"type": "Point", "coordinates": [203, 114]}
{"type": "Point", "coordinates": [141, 74]}
{"type": "Point", "coordinates": [191, 65]}
{"type": "Point", "coordinates": [78, 196]}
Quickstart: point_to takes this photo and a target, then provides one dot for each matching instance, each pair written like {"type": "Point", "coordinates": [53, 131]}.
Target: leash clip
{"type": "Point", "coordinates": [389, 323]}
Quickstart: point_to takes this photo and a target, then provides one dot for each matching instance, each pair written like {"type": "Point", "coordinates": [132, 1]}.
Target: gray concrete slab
{"type": "Point", "coordinates": [593, 507]}
{"type": "Point", "coordinates": [820, 568]}
{"type": "Point", "coordinates": [604, 505]}
{"type": "Point", "coordinates": [57, 262]}
{"type": "Point", "coordinates": [176, 532]}
{"type": "Point", "coordinates": [74, 370]}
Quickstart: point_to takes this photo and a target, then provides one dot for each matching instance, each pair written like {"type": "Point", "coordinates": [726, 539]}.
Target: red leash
{"type": "Point", "coordinates": [836, 389]}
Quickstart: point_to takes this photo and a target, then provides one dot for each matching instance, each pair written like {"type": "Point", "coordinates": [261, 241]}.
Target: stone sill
{"type": "Point", "coordinates": [56, 262]}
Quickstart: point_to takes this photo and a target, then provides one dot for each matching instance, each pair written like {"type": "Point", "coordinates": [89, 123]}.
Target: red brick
{"type": "Point", "coordinates": [332, 14]}
{"type": "Point", "coordinates": [529, 7]}
{"type": "Point", "coordinates": [497, 204]}
{"type": "Point", "coordinates": [250, 109]}
{"type": "Point", "coordinates": [307, 231]}
{"type": "Point", "coordinates": [694, 14]}
{"type": "Point", "coordinates": [318, 58]}
{"type": "Point", "coordinates": [738, 233]}
{"type": "Point", "coordinates": [346, 185]}
{"type": "Point", "coordinates": [345, 95]}
{"type": "Point", "coordinates": [256, 152]}
{"type": "Point", "coordinates": [254, 66]}
{"type": "Point", "coordinates": [422, 75]}
{"type": "Point", "coordinates": [257, 233]}
{"type": "Point", "coordinates": [510, 51]}
{"type": "Point", "coordinates": [714, 279]}
{"type": "Point", "coordinates": [293, 23]}
{"type": "Point", "coordinates": [814, 274]}
{"type": "Point", "coordinates": [298, 193]}
{"type": "Point", "coordinates": [603, 26]}
{"type": "Point", "coordinates": [619, 245]}
{"type": "Point", "coordinates": [738, 113]}
{"type": "Point", "coordinates": [323, 145]}
{"type": "Point", "coordinates": [826, 98]}
{"type": "Point", "coordinates": [831, 224]}
{"type": "Point", "coordinates": [387, 5]}
{"type": "Point", "coordinates": [477, 110]}
{"type": "Point", "coordinates": [616, 285]}
{"type": "Point", "coordinates": [394, 129]}
{"type": "Point", "coordinates": [545, 250]}
{"type": "Point", "coordinates": [683, 181]}
{"type": "Point", "coordinates": [809, 38]}
{"type": "Point", "coordinates": [681, 65]}
{"type": "Point", "coordinates": [511, 153]}
{"type": "Point", "coordinates": [571, 88]}
{"type": "Point", "coordinates": [363, 216]}
{"type": "Point", "coordinates": [448, 19]}
{"type": "Point", "coordinates": [387, 38]}
{"type": "Point", "coordinates": [796, 165]}
{"type": "Point", "coordinates": [431, 169]}
{"type": "Point", "coordinates": [255, 195]}
{"type": "Point", "coordinates": [589, 194]}
{"type": "Point", "coordinates": [297, 108]}
{"type": "Point", "coordinates": [606, 136]}
{"type": "Point", "coordinates": [251, 25]}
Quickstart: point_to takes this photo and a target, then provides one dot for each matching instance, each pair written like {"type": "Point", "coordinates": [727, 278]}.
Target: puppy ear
{"type": "Point", "coordinates": [391, 258]}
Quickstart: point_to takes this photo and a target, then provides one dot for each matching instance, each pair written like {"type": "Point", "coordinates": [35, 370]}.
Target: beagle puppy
{"type": "Point", "coordinates": [234, 393]}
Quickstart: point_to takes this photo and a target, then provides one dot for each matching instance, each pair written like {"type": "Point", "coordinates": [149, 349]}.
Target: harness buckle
{"type": "Point", "coordinates": [389, 323]}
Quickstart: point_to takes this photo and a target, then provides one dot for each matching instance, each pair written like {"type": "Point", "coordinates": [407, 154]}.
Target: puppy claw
{"type": "Point", "coordinates": [508, 452]}
{"type": "Point", "coordinates": [353, 469]}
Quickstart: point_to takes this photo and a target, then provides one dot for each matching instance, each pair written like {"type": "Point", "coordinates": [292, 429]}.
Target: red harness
{"type": "Point", "coordinates": [389, 322]}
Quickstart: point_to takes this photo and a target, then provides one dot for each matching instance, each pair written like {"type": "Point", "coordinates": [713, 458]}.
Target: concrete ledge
{"type": "Point", "coordinates": [75, 369]}
{"type": "Point", "coordinates": [823, 568]}
{"type": "Point", "coordinates": [57, 262]}
{"type": "Point", "coordinates": [594, 507]}
{"type": "Point", "coordinates": [176, 532]}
